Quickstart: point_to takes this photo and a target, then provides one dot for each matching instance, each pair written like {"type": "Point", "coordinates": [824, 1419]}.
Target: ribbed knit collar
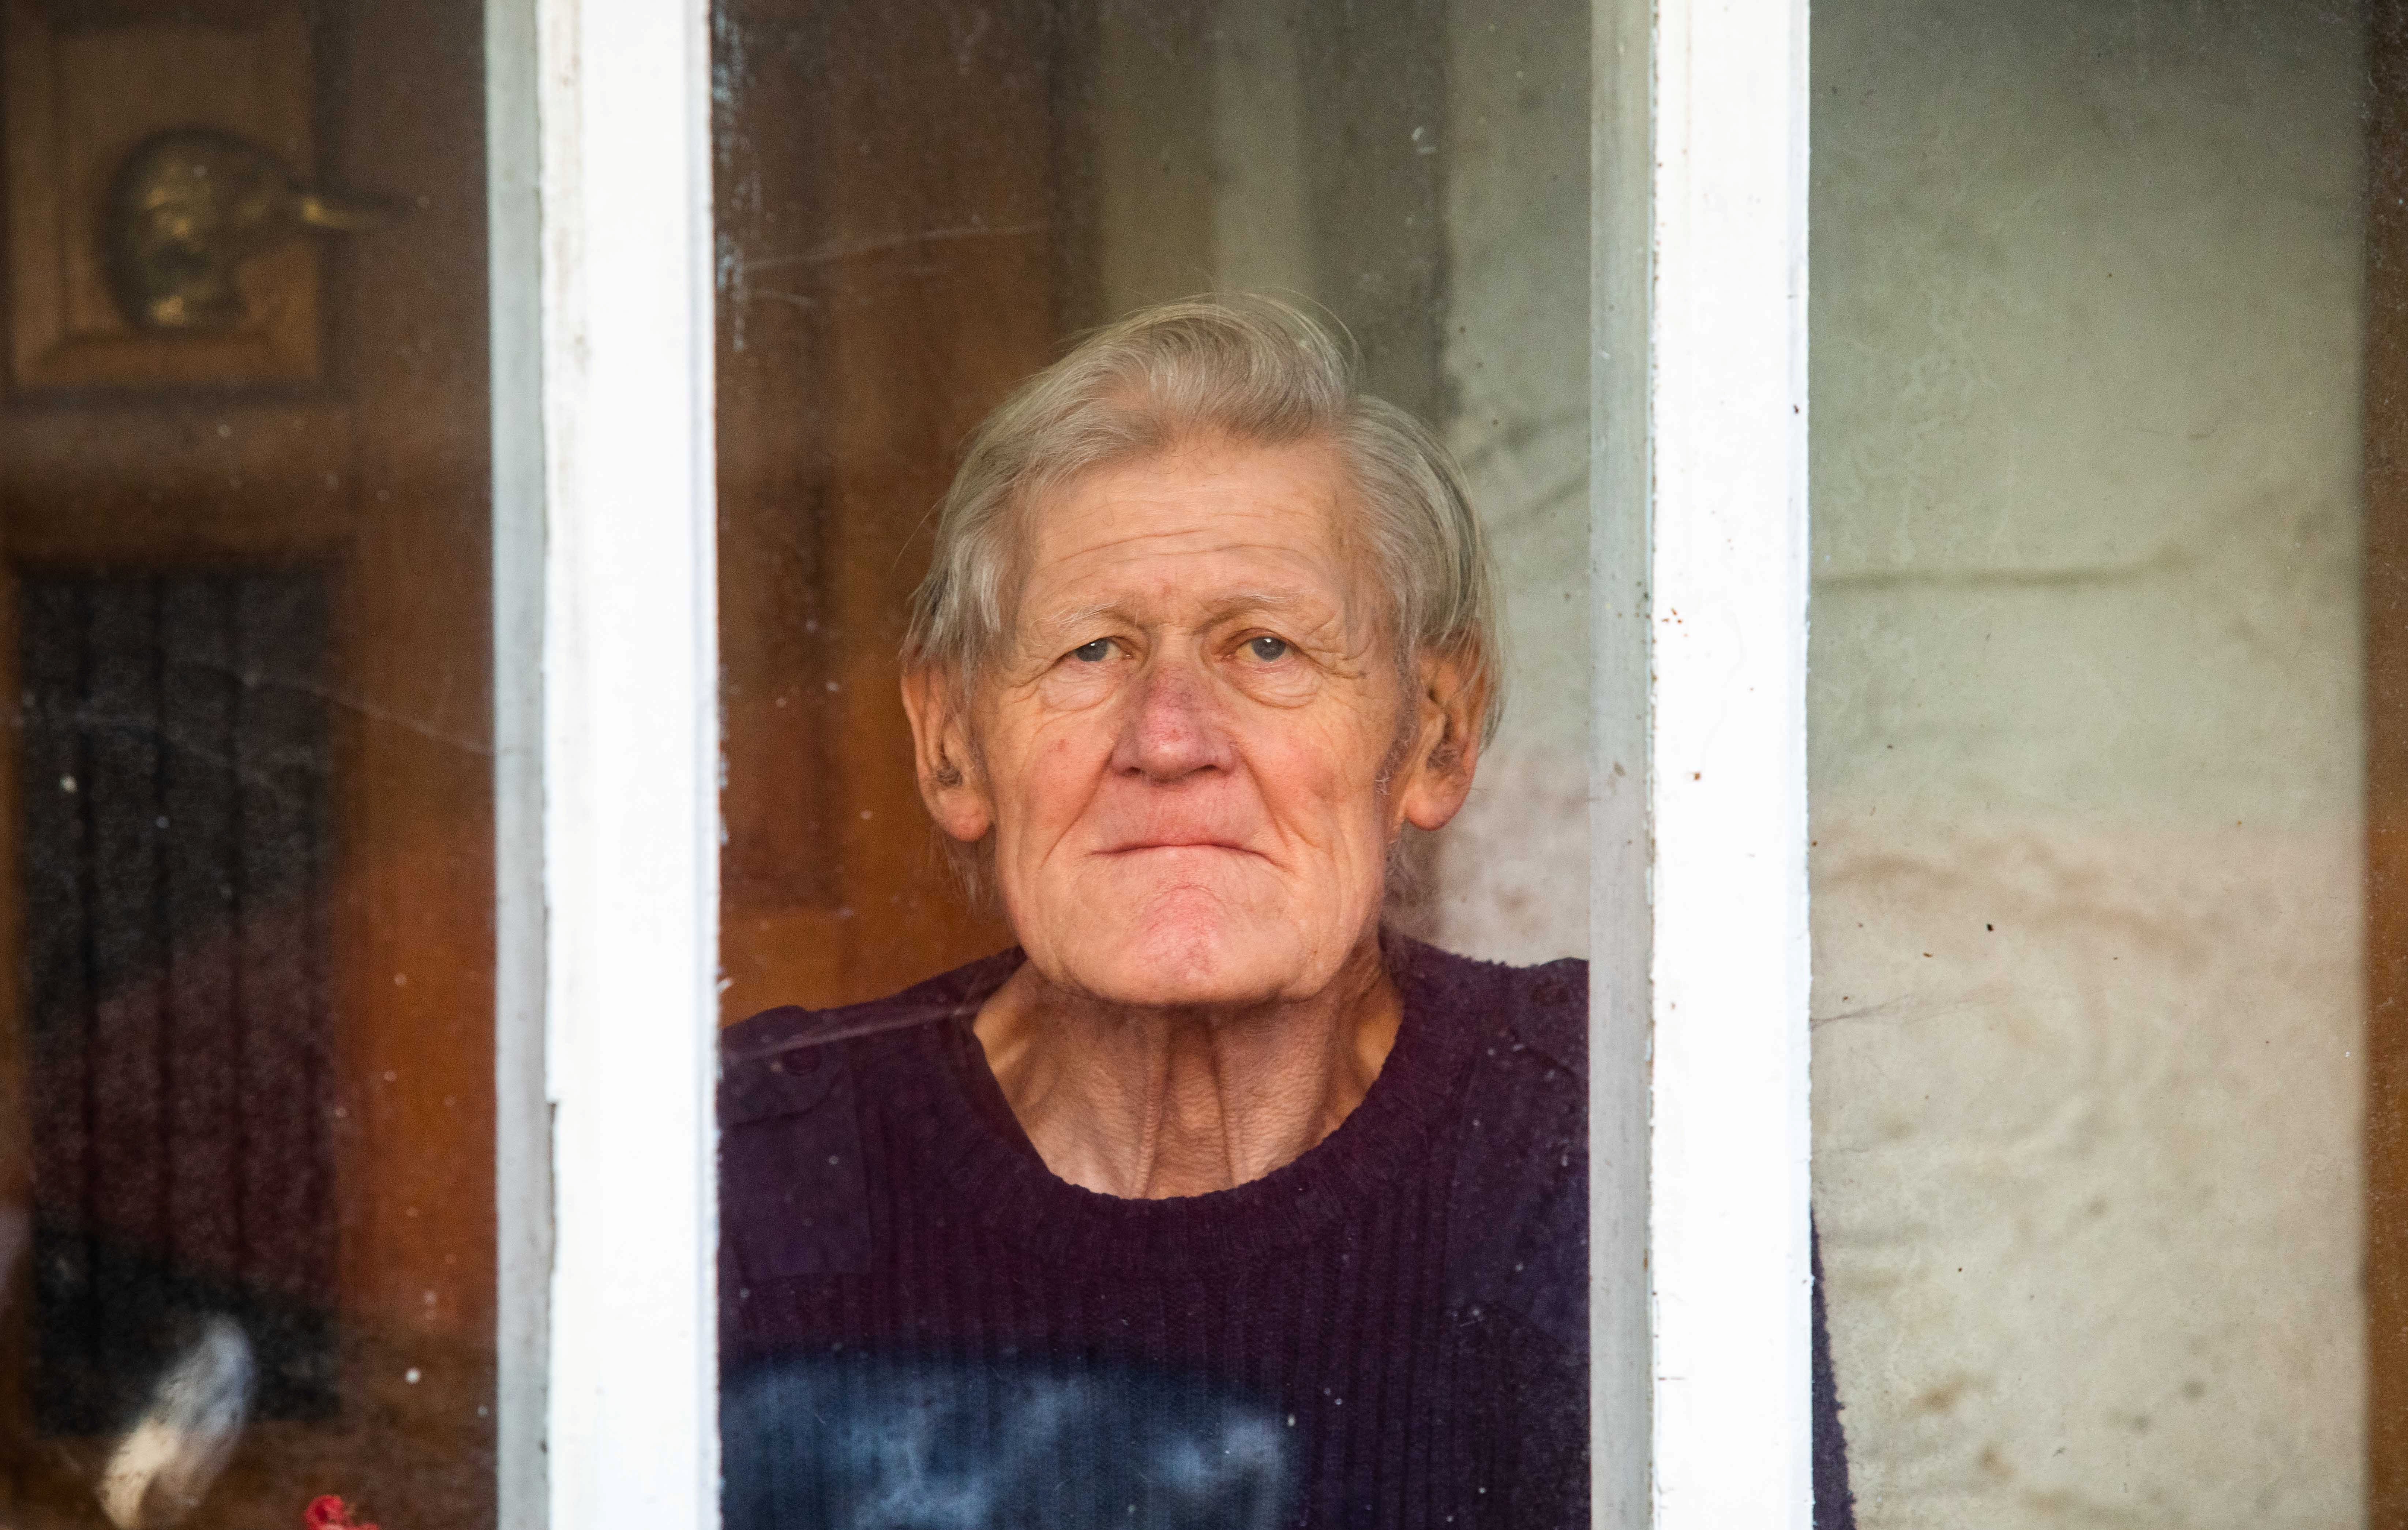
{"type": "Point", "coordinates": [1003, 1185]}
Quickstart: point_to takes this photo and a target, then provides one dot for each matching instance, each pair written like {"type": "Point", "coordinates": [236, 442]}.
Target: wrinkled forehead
{"type": "Point", "coordinates": [1196, 527]}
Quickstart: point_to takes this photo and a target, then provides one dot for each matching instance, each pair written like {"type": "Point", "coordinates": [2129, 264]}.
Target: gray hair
{"type": "Point", "coordinates": [1247, 368]}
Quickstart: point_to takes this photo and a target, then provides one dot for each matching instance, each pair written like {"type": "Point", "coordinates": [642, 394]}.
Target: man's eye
{"type": "Point", "coordinates": [1268, 650]}
{"type": "Point", "coordinates": [1093, 653]}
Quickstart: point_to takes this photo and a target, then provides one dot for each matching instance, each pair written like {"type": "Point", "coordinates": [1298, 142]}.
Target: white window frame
{"type": "Point", "coordinates": [629, 741]}
{"type": "Point", "coordinates": [521, 1113]}
{"type": "Point", "coordinates": [1700, 941]}
{"type": "Point", "coordinates": [608, 776]}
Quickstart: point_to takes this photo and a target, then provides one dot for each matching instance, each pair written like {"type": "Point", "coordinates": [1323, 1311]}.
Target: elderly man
{"type": "Point", "coordinates": [1212, 1203]}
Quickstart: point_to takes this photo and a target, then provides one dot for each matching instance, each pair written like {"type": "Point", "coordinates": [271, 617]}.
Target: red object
{"type": "Point", "coordinates": [330, 1513]}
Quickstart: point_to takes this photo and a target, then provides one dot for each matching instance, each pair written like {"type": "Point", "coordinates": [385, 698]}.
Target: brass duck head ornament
{"type": "Point", "coordinates": [188, 208]}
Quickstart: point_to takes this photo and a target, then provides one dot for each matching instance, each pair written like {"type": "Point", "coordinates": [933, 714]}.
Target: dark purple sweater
{"type": "Point", "coordinates": [924, 1326]}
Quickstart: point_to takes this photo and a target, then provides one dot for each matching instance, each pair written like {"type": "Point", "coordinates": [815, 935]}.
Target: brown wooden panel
{"type": "Point", "coordinates": [378, 474]}
{"type": "Point", "coordinates": [892, 195]}
{"type": "Point", "coordinates": [217, 481]}
{"type": "Point", "coordinates": [414, 910]}
{"type": "Point", "coordinates": [773, 401]}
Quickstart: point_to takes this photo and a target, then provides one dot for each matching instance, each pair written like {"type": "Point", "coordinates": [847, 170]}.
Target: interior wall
{"type": "Point", "coordinates": [1513, 869]}
{"type": "Point", "coordinates": [2085, 748]}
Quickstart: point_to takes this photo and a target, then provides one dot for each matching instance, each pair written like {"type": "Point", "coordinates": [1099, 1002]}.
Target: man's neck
{"type": "Point", "coordinates": [1145, 1103]}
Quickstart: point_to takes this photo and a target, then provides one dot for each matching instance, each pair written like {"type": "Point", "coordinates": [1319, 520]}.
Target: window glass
{"type": "Point", "coordinates": [2104, 609]}
{"type": "Point", "coordinates": [246, 1214]}
{"type": "Point", "coordinates": [919, 206]}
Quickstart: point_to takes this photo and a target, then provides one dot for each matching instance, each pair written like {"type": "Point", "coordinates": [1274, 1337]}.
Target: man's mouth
{"type": "Point", "coordinates": [1180, 843]}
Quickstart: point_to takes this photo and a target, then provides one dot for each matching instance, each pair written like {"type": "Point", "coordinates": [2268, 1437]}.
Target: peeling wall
{"type": "Point", "coordinates": [2084, 744]}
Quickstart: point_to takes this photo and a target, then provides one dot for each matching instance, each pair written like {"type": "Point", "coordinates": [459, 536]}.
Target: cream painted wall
{"type": "Point", "coordinates": [1513, 869]}
{"type": "Point", "coordinates": [2084, 758]}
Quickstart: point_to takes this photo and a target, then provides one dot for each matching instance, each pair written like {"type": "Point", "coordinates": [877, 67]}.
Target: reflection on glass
{"type": "Point", "coordinates": [2089, 762]}
{"type": "Point", "coordinates": [1208, 1200]}
{"type": "Point", "coordinates": [246, 1044]}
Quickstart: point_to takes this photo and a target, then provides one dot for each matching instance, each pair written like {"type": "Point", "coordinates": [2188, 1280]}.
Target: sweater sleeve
{"type": "Point", "coordinates": [1835, 1503]}
{"type": "Point", "coordinates": [1539, 1478]}
{"type": "Point", "coordinates": [1542, 1462]}
{"type": "Point", "coordinates": [1520, 1216]}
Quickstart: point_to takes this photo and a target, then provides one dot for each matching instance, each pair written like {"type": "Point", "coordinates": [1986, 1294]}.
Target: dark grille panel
{"type": "Point", "coordinates": [175, 807]}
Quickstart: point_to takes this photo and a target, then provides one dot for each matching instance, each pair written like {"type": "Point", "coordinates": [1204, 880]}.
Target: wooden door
{"type": "Point", "coordinates": [246, 1044]}
{"type": "Point", "coordinates": [897, 237]}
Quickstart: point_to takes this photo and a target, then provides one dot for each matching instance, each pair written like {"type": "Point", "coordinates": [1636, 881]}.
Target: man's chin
{"type": "Point", "coordinates": [1188, 963]}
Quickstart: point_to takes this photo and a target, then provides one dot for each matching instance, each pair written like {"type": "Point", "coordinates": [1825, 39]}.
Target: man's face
{"type": "Point", "coordinates": [1180, 751]}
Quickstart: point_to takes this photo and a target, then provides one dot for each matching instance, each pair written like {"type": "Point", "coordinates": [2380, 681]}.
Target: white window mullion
{"type": "Point", "coordinates": [522, 1117]}
{"type": "Point", "coordinates": [1701, 539]}
{"type": "Point", "coordinates": [1727, 624]}
{"type": "Point", "coordinates": [631, 743]}
{"type": "Point", "coordinates": [1621, 840]}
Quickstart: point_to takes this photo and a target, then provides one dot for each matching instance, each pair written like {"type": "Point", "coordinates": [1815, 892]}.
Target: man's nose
{"type": "Point", "coordinates": [1172, 728]}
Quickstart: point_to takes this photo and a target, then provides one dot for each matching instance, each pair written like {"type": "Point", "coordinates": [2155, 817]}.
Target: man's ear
{"type": "Point", "coordinates": [1452, 701]}
{"type": "Point", "coordinates": [949, 781]}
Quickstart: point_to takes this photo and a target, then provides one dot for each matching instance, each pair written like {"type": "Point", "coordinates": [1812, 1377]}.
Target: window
{"type": "Point", "coordinates": [465, 531]}
{"type": "Point", "coordinates": [249, 1206]}
{"type": "Point", "coordinates": [1696, 398]}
